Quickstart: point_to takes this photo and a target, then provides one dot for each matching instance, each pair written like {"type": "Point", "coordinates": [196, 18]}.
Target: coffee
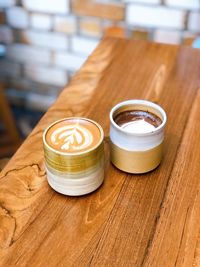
{"type": "Point", "coordinates": [136, 135]}
{"type": "Point", "coordinates": [137, 121]}
{"type": "Point", "coordinates": [74, 155]}
{"type": "Point", "coordinates": [73, 135]}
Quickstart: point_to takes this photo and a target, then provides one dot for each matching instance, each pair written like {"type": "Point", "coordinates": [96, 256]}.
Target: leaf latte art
{"type": "Point", "coordinates": [74, 137]}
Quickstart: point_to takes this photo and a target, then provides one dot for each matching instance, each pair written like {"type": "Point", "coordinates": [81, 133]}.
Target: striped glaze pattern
{"type": "Point", "coordinates": [74, 173]}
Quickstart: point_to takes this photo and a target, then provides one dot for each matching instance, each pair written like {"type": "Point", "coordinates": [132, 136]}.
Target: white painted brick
{"type": "Point", "coordinates": [189, 35]}
{"type": "Point", "coordinates": [41, 21]}
{"type": "Point", "coordinates": [24, 53]}
{"type": "Point", "coordinates": [9, 68]}
{"type": "Point", "coordinates": [65, 24]}
{"type": "Point", "coordinates": [170, 37]}
{"type": "Point", "coordinates": [83, 45]}
{"type": "Point", "coordinates": [47, 6]}
{"type": "Point", "coordinates": [6, 3]}
{"type": "Point", "coordinates": [69, 61]}
{"type": "Point", "coordinates": [155, 16]}
{"type": "Point", "coordinates": [143, 1]}
{"type": "Point", "coordinates": [194, 22]}
{"type": "Point", "coordinates": [47, 75]}
{"type": "Point", "coordinates": [6, 35]}
{"type": "Point", "coordinates": [185, 4]}
{"type": "Point", "coordinates": [39, 102]}
{"type": "Point", "coordinates": [48, 40]}
{"type": "Point", "coordinates": [21, 83]}
{"type": "Point", "coordinates": [34, 101]}
{"type": "Point", "coordinates": [90, 27]}
{"type": "Point", "coordinates": [17, 17]}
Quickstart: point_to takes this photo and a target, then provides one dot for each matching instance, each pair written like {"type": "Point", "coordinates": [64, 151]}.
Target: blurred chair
{"type": "Point", "coordinates": [121, 32]}
{"type": "Point", "coordinates": [142, 34]}
{"type": "Point", "coordinates": [9, 136]}
{"type": "Point", "coordinates": [115, 31]}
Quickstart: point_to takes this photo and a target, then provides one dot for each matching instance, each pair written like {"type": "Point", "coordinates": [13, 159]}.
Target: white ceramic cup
{"type": "Point", "coordinates": [136, 152]}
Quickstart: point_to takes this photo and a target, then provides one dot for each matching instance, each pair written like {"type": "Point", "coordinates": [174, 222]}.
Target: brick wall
{"type": "Point", "coordinates": [47, 41]}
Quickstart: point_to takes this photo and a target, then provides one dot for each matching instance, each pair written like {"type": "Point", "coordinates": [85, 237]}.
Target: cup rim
{"type": "Point", "coordinates": [141, 102]}
{"type": "Point", "coordinates": [77, 153]}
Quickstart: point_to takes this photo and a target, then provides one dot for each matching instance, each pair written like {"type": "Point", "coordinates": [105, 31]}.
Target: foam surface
{"type": "Point", "coordinates": [138, 126]}
{"type": "Point", "coordinates": [73, 135]}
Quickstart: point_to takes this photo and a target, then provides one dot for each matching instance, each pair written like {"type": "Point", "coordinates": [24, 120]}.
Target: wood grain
{"type": "Point", "coordinates": [178, 228]}
{"type": "Point", "coordinates": [118, 225]}
{"type": "Point", "coordinates": [3, 163]}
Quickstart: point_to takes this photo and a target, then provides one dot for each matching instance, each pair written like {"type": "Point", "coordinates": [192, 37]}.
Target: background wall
{"type": "Point", "coordinates": [46, 41]}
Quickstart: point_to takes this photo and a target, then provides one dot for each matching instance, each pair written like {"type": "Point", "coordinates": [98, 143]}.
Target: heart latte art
{"type": "Point", "coordinates": [73, 135]}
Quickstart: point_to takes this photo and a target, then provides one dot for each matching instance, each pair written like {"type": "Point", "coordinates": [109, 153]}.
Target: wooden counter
{"type": "Point", "coordinates": [132, 220]}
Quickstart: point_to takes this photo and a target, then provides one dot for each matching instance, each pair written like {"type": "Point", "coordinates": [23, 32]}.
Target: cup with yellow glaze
{"type": "Point", "coordinates": [74, 155]}
{"type": "Point", "coordinates": [136, 135]}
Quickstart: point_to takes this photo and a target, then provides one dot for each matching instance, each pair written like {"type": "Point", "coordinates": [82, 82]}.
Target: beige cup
{"type": "Point", "coordinates": [136, 152]}
{"type": "Point", "coordinates": [76, 166]}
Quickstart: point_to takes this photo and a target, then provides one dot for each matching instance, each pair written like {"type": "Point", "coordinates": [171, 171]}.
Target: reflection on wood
{"type": "Point", "coordinates": [155, 89]}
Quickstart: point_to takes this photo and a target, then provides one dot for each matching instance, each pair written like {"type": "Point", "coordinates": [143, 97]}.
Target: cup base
{"type": "Point", "coordinates": [75, 187]}
{"type": "Point", "coordinates": [136, 171]}
{"type": "Point", "coordinates": [136, 162]}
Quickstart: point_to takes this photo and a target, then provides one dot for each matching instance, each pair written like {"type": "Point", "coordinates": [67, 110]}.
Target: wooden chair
{"type": "Point", "coordinates": [120, 32]}
{"type": "Point", "coordinates": [115, 31]}
{"type": "Point", "coordinates": [9, 136]}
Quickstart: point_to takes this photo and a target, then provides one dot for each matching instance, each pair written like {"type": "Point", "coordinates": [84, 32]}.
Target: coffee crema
{"type": "Point", "coordinates": [137, 121]}
{"type": "Point", "coordinates": [73, 135]}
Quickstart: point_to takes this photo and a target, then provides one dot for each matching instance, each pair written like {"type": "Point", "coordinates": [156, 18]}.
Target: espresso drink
{"type": "Point", "coordinates": [136, 135]}
{"type": "Point", "coordinates": [137, 121]}
{"type": "Point", "coordinates": [73, 135]}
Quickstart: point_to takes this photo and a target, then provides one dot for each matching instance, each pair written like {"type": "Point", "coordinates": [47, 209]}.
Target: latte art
{"type": "Point", "coordinates": [72, 137]}
{"type": "Point", "coordinates": [74, 155]}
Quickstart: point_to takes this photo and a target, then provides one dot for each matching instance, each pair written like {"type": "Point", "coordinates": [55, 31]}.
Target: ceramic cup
{"type": "Point", "coordinates": [137, 152]}
{"type": "Point", "coordinates": [74, 155]}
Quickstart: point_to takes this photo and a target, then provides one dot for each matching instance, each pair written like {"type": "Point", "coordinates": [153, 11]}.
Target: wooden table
{"type": "Point", "coordinates": [132, 220]}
